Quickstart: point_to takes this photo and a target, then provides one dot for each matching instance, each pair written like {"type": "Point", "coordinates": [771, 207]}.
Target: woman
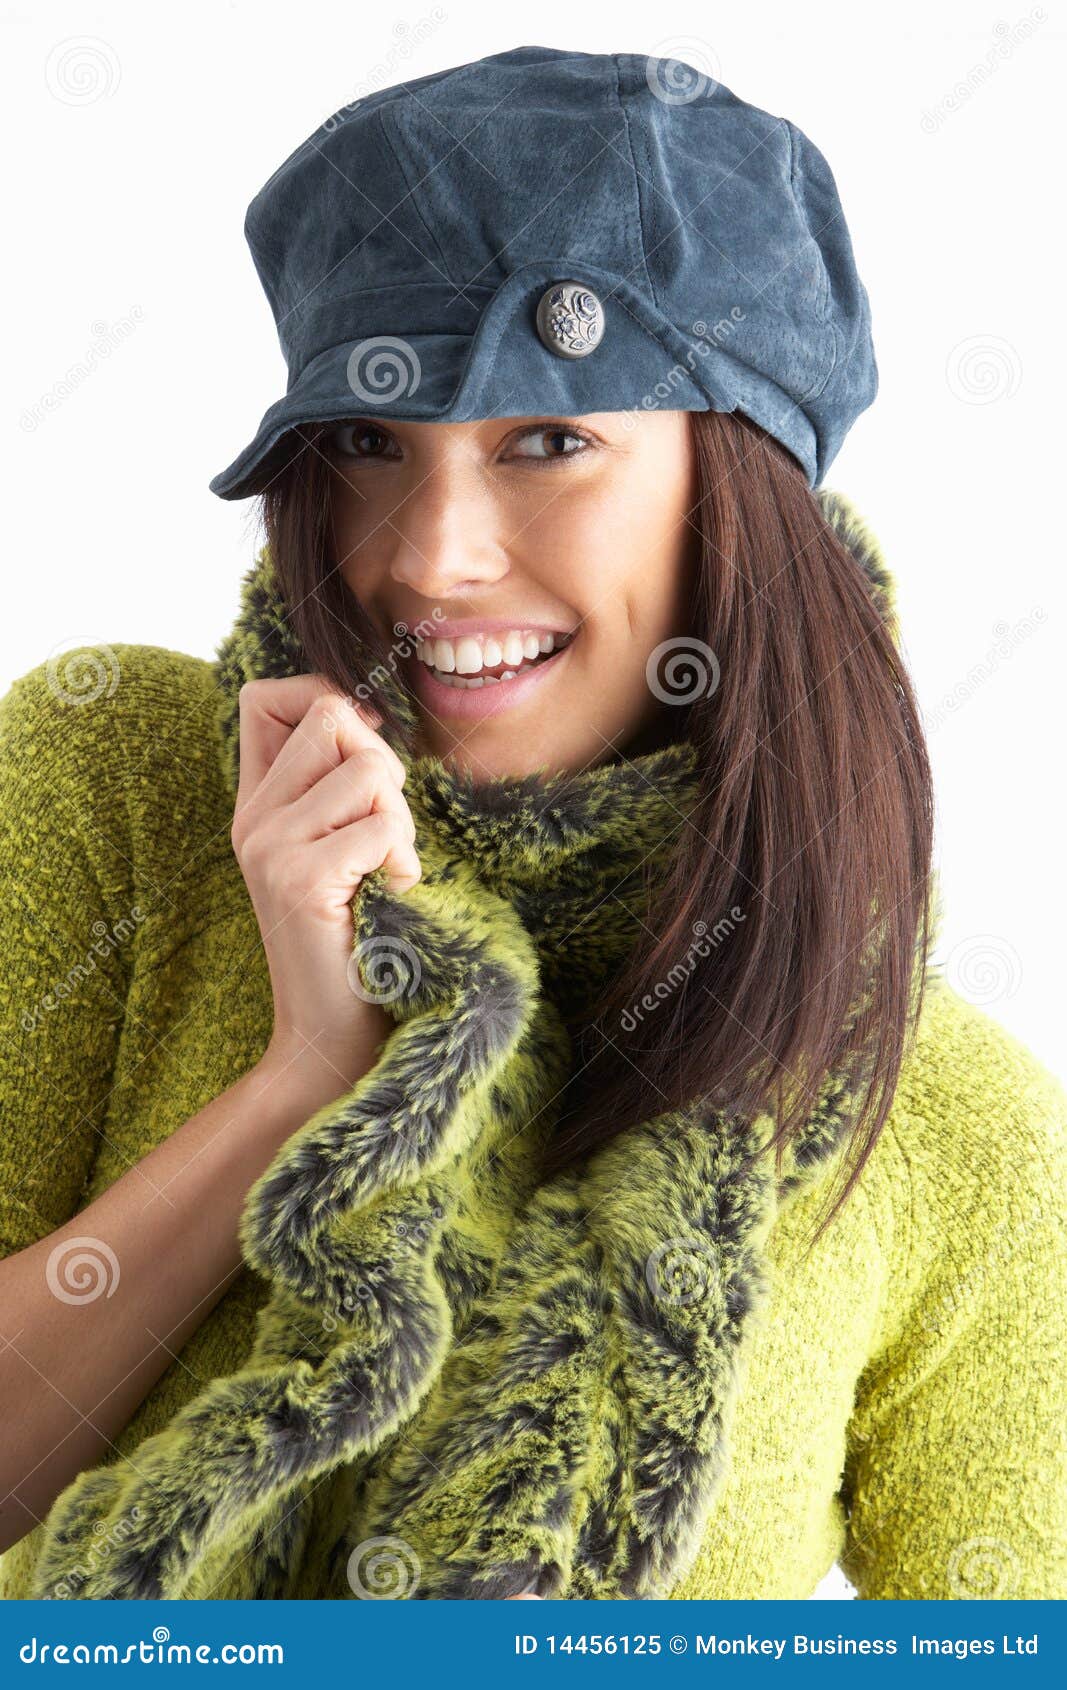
{"type": "Point", "coordinates": [389, 1202]}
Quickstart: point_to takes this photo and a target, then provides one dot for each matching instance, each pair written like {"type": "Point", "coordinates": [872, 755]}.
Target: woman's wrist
{"type": "Point", "coordinates": [313, 1071]}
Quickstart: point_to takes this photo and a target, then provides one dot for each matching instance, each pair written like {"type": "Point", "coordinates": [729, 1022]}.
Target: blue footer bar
{"type": "Point", "coordinates": [533, 1643]}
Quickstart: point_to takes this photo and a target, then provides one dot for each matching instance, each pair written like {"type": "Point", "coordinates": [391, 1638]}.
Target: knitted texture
{"type": "Point", "coordinates": [516, 1412]}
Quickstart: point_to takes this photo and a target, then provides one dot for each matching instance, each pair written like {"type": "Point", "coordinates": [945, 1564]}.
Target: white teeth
{"type": "Point", "coordinates": [472, 653]}
{"type": "Point", "coordinates": [468, 656]}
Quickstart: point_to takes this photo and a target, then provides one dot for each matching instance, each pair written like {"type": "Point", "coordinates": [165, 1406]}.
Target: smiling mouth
{"type": "Point", "coordinates": [476, 660]}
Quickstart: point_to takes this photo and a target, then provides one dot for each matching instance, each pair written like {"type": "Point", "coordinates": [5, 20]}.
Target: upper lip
{"type": "Point", "coordinates": [429, 626]}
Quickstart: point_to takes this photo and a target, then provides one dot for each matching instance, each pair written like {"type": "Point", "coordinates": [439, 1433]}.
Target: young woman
{"type": "Point", "coordinates": [479, 1119]}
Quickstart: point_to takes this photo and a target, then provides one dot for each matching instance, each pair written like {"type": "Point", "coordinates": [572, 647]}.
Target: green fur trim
{"type": "Point", "coordinates": [522, 1386]}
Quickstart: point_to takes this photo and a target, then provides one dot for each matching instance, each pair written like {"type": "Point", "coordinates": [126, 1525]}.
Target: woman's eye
{"type": "Point", "coordinates": [556, 443]}
{"type": "Point", "coordinates": [359, 440]}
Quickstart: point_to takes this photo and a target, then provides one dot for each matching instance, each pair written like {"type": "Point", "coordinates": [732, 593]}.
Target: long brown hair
{"type": "Point", "coordinates": [815, 814]}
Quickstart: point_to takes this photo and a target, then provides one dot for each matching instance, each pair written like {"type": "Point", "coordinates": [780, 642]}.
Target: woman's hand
{"type": "Point", "coordinates": [319, 806]}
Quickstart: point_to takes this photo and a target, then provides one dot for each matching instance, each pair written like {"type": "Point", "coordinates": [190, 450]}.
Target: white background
{"type": "Point", "coordinates": [140, 353]}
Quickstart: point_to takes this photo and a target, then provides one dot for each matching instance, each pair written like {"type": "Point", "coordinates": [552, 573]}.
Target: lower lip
{"type": "Point", "coordinates": [476, 704]}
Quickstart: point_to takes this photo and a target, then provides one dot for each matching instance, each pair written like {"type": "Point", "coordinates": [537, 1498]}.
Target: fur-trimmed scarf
{"type": "Point", "coordinates": [467, 1380]}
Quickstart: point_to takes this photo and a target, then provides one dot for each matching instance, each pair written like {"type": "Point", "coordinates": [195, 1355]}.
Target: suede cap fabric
{"type": "Point", "coordinates": [406, 245]}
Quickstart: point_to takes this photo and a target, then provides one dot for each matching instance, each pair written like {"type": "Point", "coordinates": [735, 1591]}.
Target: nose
{"type": "Point", "coordinates": [447, 534]}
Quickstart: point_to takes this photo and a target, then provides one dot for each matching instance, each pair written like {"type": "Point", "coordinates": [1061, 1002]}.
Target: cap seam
{"type": "Point", "coordinates": [395, 150]}
{"type": "Point", "coordinates": [636, 183]}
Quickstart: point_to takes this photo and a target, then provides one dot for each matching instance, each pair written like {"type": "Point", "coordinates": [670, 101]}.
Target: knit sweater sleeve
{"type": "Point", "coordinates": [955, 1478]}
{"type": "Point", "coordinates": [67, 920]}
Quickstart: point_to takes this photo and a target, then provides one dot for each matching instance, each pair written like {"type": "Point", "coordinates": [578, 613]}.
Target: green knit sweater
{"type": "Point", "coordinates": [903, 1408]}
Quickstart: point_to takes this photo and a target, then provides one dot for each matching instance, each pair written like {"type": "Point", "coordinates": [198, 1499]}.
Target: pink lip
{"type": "Point", "coordinates": [475, 704]}
{"type": "Point", "coordinates": [428, 627]}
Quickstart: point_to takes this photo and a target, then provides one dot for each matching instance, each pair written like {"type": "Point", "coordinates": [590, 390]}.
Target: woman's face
{"type": "Point", "coordinates": [542, 559]}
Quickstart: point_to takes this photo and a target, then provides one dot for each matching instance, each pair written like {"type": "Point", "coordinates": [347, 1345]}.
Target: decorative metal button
{"type": "Point", "coordinates": [570, 319]}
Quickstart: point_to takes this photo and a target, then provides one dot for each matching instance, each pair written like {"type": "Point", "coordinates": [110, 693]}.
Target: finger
{"type": "Point", "coordinates": [341, 860]}
{"type": "Point", "coordinates": [357, 787]}
{"type": "Point", "coordinates": [330, 725]}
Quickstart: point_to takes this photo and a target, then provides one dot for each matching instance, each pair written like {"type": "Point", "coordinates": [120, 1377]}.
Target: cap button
{"type": "Point", "coordinates": [570, 319]}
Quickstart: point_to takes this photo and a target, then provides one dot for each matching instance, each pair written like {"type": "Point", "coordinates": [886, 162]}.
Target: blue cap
{"type": "Point", "coordinates": [546, 232]}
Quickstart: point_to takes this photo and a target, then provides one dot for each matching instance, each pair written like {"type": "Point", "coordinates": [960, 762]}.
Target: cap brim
{"type": "Point", "coordinates": [503, 370]}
